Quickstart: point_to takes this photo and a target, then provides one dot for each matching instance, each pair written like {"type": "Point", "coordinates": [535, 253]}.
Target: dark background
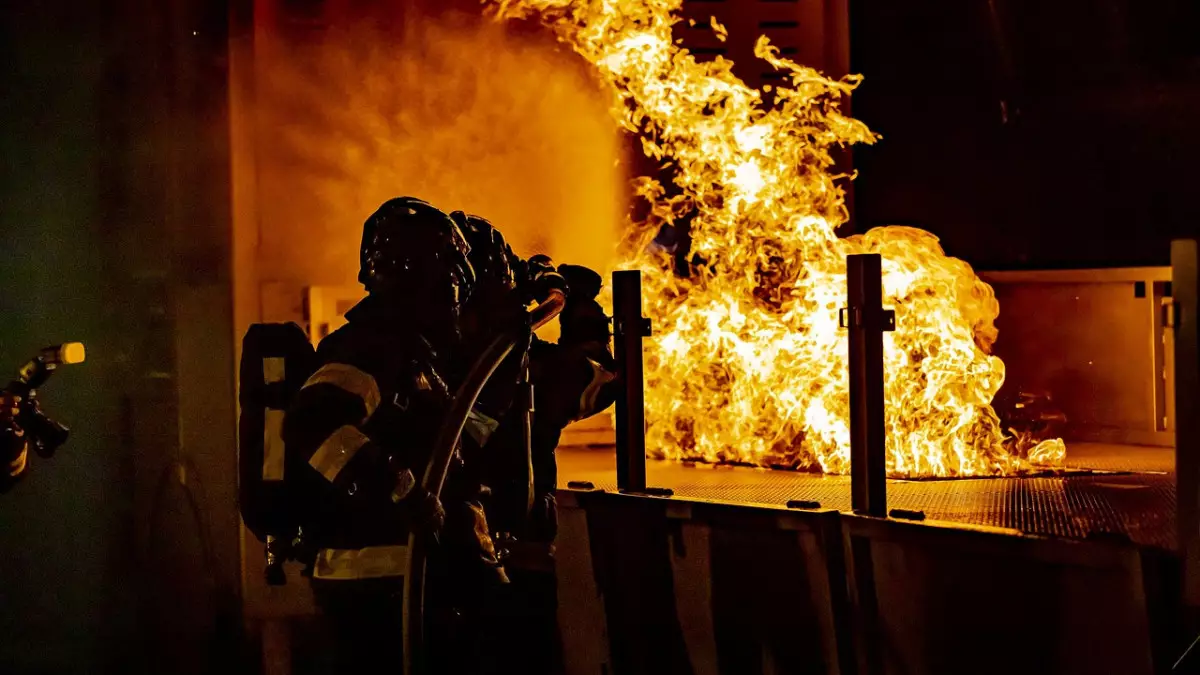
{"type": "Point", "coordinates": [1029, 133]}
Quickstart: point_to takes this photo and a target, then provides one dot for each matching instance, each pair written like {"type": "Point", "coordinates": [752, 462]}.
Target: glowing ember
{"type": "Point", "coordinates": [748, 363]}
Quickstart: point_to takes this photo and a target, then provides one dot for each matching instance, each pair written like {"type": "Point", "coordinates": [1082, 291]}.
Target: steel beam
{"type": "Point", "coordinates": [1185, 288]}
{"type": "Point", "coordinates": [629, 329]}
{"type": "Point", "coordinates": [866, 321]}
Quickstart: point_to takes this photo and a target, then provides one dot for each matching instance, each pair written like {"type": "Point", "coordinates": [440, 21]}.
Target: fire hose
{"type": "Point", "coordinates": [44, 434]}
{"type": "Point", "coordinates": [443, 452]}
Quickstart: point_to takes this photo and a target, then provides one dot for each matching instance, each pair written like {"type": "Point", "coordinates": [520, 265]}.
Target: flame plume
{"type": "Point", "coordinates": [748, 363]}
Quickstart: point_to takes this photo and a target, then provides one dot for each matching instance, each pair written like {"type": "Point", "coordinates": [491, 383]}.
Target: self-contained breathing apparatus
{"type": "Point", "coordinates": [276, 361]}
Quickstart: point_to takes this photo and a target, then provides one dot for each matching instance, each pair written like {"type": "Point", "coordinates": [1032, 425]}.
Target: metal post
{"type": "Point", "coordinates": [866, 320]}
{"type": "Point", "coordinates": [629, 329]}
{"type": "Point", "coordinates": [1185, 288]}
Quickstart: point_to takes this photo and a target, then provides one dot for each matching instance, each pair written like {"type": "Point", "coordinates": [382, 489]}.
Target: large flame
{"type": "Point", "coordinates": [748, 363]}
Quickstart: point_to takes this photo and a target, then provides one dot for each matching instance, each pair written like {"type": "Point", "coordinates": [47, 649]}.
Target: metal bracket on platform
{"type": "Point", "coordinates": [651, 492]}
{"type": "Point", "coordinates": [866, 320]}
{"type": "Point", "coordinates": [907, 514]}
{"type": "Point", "coordinates": [641, 325]}
{"type": "Point", "coordinates": [851, 317]}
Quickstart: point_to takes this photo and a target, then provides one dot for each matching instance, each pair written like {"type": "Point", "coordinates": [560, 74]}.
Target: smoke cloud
{"type": "Point", "coordinates": [456, 110]}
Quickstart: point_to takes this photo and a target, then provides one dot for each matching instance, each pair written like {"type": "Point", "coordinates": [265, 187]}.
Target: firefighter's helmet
{"type": "Point", "coordinates": [491, 256]}
{"type": "Point", "coordinates": [411, 248]}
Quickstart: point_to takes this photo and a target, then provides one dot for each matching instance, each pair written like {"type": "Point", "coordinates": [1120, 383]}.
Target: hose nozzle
{"type": "Point", "coordinates": [66, 354]}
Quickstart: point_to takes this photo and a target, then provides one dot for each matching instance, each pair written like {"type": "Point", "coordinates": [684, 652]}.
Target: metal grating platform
{"type": "Point", "coordinates": [1139, 505]}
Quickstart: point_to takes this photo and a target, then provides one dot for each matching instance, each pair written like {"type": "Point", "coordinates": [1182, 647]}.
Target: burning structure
{"type": "Point", "coordinates": [748, 364]}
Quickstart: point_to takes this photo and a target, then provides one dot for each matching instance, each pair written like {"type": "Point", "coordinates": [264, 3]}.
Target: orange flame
{"type": "Point", "coordinates": [748, 363]}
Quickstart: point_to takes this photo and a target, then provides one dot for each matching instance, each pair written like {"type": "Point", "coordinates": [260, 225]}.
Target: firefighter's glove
{"type": "Point", "coordinates": [584, 282]}
{"type": "Point", "coordinates": [582, 320]}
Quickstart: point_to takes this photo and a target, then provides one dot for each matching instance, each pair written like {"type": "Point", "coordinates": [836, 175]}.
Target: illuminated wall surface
{"type": "Point", "coordinates": [348, 114]}
{"type": "Point", "coordinates": [1037, 134]}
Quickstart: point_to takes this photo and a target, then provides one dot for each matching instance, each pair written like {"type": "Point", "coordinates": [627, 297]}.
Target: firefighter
{"type": "Point", "coordinates": [572, 380]}
{"type": "Point", "coordinates": [360, 432]}
{"type": "Point", "coordinates": [504, 279]}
